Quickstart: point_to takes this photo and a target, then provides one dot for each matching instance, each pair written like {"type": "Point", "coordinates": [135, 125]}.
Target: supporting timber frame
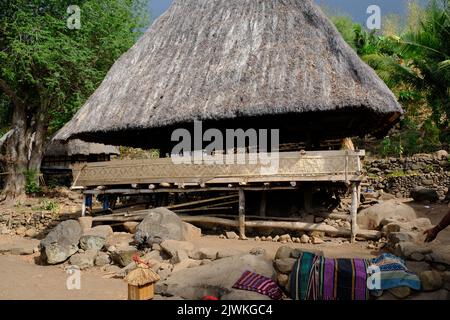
{"type": "Point", "coordinates": [295, 169]}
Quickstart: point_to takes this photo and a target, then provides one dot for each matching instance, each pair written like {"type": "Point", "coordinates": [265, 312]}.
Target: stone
{"type": "Point", "coordinates": [20, 231]}
{"type": "Point", "coordinates": [172, 246]}
{"type": "Point", "coordinates": [304, 239]}
{"type": "Point", "coordinates": [179, 256]}
{"type": "Point", "coordinates": [130, 226]}
{"type": "Point", "coordinates": [61, 242]}
{"type": "Point", "coordinates": [152, 255]}
{"type": "Point", "coordinates": [190, 232]}
{"type": "Point", "coordinates": [284, 265]}
{"type": "Point", "coordinates": [21, 246]}
{"type": "Point", "coordinates": [88, 242]}
{"type": "Point", "coordinates": [397, 237]}
{"type": "Point", "coordinates": [123, 256]}
{"type": "Point", "coordinates": [316, 240]}
{"type": "Point", "coordinates": [400, 292]}
{"type": "Point", "coordinates": [370, 218]}
{"type": "Point", "coordinates": [103, 231]}
{"type": "Point", "coordinates": [31, 233]}
{"type": "Point", "coordinates": [85, 222]}
{"type": "Point", "coordinates": [216, 278]}
{"type": "Point", "coordinates": [159, 224]}
{"type": "Point", "coordinates": [111, 268]}
{"type": "Point", "coordinates": [231, 235]}
{"type": "Point", "coordinates": [441, 254]}
{"type": "Point", "coordinates": [297, 252]}
{"type": "Point", "coordinates": [317, 234]}
{"type": "Point", "coordinates": [84, 260]}
{"type": "Point", "coordinates": [386, 196]}
{"type": "Point", "coordinates": [205, 261]}
{"type": "Point", "coordinates": [407, 249]}
{"type": "Point", "coordinates": [441, 155]}
{"type": "Point", "coordinates": [182, 265]}
{"type": "Point", "coordinates": [102, 259]}
{"type": "Point", "coordinates": [164, 273]}
{"type": "Point", "coordinates": [257, 251]}
{"type": "Point", "coordinates": [257, 239]}
{"type": "Point", "coordinates": [282, 279]}
{"type": "Point", "coordinates": [421, 194]}
{"type": "Point", "coordinates": [276, 238]}
{"type": "Point", "coordinates": [283, 252]}
{"type": "Point", "coordinates": [203, 253]}
{"type": "Point", "coordinates": [417, 256]}
{"type": "Point", "coordinates": [227, 252]}
{"type": "Point", "coordinates": [446, 279]}
{"type": "Point", "coordinates": [431, 280]}
{"type": "Point", "coordinates": [119, 239]}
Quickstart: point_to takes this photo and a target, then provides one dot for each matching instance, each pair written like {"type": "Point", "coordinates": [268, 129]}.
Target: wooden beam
{"type": "Point", "coordinates": [181, 205]}
{"type": "Point", "coordinates": [354, 212]}
{"type": "Point", "coordinates": [241, 214]}
{"type": "Point", "coordinates": [263, 204]}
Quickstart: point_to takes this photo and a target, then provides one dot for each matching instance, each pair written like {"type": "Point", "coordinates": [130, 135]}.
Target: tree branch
{"type": "Point", "coordinates": [11, 94]}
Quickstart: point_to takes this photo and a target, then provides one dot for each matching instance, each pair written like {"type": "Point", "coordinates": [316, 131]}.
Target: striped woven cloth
{"type": "Point", "coordinates": [318, 278]}
{"type": "Point", "coordinates": [255, 282]}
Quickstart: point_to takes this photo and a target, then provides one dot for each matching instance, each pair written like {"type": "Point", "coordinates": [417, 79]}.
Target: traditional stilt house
{"type": "Point", "coordinates": [268, 64]}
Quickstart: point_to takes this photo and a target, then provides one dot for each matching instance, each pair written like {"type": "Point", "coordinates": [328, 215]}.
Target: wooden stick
{"type": "Point", "coordinates": [354, 211]}
{"type": "Point", "coordinates": [242, 214]}
{"type": "Point", "coordinates": [297, 226]}
{"type": "Point", "coordinates": [263, 204]}
{"type": "Point", "coordinates": [199, 202]}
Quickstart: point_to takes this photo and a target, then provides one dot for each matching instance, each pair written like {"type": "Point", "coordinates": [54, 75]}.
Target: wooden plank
{"type": "Point", "coordinates": [293, 166]}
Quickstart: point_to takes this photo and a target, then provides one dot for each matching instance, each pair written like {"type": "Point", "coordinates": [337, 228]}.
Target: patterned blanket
{"type": "Point", "coordinates": [393, 273]}
{"type": "Point", "coordinates": [255, 282]}
{"type": "Point", "coordinates": [318, 278]}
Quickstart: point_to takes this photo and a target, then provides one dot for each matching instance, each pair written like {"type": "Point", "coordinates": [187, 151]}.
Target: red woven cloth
{"type": "Point", "coordinates": [255, 282]}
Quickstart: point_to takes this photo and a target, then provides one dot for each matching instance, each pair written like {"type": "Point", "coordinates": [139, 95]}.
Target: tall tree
{"type": "Point", "coordinates": [47, 70]}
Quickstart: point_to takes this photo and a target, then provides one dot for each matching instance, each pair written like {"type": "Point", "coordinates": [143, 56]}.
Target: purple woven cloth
{"type": "Point", "coordinates": [257, 283]}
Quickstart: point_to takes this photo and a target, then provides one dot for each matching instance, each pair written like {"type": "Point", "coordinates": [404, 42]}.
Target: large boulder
{"type": "Point", "coordinates": [84, 260]}
{"type": "Point", "coordinates": [421, 194]}
{"type": "Point", "coordinates": [371, 218]}
{"type": "Point", "coordinates": [61, 242]}
{"type": "Point", "coordinates": [217, 278]}
{"type": "Point", "coordinates": [95, 238]}
{"type": "Point", "coordinates": [172, 246]}
{"type": "Point", "coordinates": [162, 224]}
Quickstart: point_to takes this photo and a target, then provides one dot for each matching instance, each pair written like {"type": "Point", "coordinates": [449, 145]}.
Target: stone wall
{"type": "Point", "coordinates": [398, 176]}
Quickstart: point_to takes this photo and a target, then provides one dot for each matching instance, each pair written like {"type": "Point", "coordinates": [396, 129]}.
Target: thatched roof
{"type": "Point", "coordinates": [267, 63]}
{"type": "Point", "coordinates": [78, 147]}
{"type": "Point", "coordinates": [141, 276]}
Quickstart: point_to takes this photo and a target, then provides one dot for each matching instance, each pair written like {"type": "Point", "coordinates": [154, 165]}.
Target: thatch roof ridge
{"type": "Point", "coordinates": [229, 59]}
{"type": "Point", "coordinates": [79, 147]}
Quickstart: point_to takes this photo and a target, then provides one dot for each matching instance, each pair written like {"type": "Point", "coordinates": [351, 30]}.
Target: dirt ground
{"type": "Point", "coordinates": [22, 278]}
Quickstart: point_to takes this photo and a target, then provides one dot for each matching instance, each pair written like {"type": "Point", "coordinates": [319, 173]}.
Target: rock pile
{"type": "Point", "coordinates": [400, 177]}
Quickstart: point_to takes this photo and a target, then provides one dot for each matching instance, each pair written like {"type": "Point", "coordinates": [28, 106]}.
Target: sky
{"type": "Point", "coordinates": [355, 8]}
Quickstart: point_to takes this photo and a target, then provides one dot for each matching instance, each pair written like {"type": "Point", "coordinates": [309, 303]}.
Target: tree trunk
{"type": "Point", "coordinates": [23, 151]}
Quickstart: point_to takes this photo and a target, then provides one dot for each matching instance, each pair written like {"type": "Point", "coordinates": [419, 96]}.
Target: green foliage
{"type": "Point", "coordinates": [49, 206]}
{"type": "Point", "coordinates": [51, 66]}
{"type": "Point", "coordinates": [31, 178]}
{"type": "Point", "coordinates": [415, 65]}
